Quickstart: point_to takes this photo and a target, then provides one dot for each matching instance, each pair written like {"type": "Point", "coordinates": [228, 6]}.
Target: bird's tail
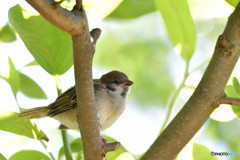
{"type": "Point", "coordinates": [38, 112]}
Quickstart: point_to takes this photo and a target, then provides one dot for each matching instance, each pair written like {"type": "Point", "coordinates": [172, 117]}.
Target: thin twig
{"type": "Point", "coordinates": [79, 5]}
{"type": "Point", "coordinates": [57, 4]}
{"type": "Point", "coordinates": [229, 100]}
{"type": "Point", "coordinates": [110, 147]}
{"type": "Point", "coordinates": [95, 34]}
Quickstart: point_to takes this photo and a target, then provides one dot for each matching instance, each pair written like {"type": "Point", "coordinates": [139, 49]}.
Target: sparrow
{"type": "Point", "coordinates": [110, 91]}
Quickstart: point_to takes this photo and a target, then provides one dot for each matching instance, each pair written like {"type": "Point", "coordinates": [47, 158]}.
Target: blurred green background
{"type": "Point", "coordinates": [160, 47]}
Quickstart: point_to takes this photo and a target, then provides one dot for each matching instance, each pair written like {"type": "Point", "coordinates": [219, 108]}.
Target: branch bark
{"type": "Point", "coordinates": [88, 122]}
{"type": "Point", "coordinates": [206, 97]}
{"type": "Point", "coordinates": [58, 16]}
{"type": "Point", "coordinates": [76, 24]}
{"type": "Point", "coordinates": [231, 101]}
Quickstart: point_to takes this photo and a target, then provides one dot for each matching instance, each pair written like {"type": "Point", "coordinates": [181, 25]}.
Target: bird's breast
{"type": "Point", "coordinates": [109, 110]}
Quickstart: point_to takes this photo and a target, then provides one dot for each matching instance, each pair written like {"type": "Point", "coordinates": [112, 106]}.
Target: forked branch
{"type": "Point", "coordinates": [76, 24]}
{"type": "Point", "coordinates": [230, 101]}
{"type": "Point", "coordinates": [207, 96]}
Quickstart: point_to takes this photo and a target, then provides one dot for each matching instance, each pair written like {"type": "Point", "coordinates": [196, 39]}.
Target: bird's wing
{"type": "Point", "coordinates": [68, 100]}
{"type": "Point", "coordinates": [64, 102]}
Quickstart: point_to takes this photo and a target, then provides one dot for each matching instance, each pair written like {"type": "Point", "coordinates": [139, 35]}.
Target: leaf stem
{"type": "Point", "coordinates": [200, 66]}
{"type": "Point", "coordinates": [178, 90]}
{"type": "Point", "coordinates": [174, 98]}
{"type": "Point", "coordinates": [66, 146]}
{"type": "Point", "coordinates": [58, 85]}
{"type": "Point", "coordinates": [45, 146]}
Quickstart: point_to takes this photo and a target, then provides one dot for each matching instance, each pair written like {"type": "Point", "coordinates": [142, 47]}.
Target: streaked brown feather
{"type": "Point", "coordinates": [67, 101]}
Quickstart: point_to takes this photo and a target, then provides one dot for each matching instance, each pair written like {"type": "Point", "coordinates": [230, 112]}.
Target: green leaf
{"type": "Point", "coordinates": [10, 122]}
{"type": "Point", "coordinates": [7, 34]}
{"type": "Point", "coordinates": [30, 88]}
{"type": "Point", "coordinates": [133, 9]}
{"type": "Point", "coordinates": [2, 157]}
{"type": "Point", "coordinates": [29, 155]}
{"type": "Point", "coordinates": [76, 147]}
{"type": "Point", "coordinates": [11, 75]}
{"type": "Point", "coordinates": [13, 78]}
{"type": "Point", "coordinates": [232, 2]}
{"type": "Point", "coordinates": [33, 63]}
{"type": "Point", "coordinates": [236, 85]}
{"type": "Point", "coordinates": [51, 47]}
{"type": "Point", "coordinates": [180, 26]}
{"type": "Point", "coordinates": [201, 152]}
{"type": "Point", "coordinates": [230, 91]}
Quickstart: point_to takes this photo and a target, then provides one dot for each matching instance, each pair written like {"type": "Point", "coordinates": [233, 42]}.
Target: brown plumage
{"type": "Point", "coordinates": [110, 95]}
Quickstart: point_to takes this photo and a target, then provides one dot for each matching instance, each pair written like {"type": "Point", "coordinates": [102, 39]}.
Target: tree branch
{"type": "Point", "coordinates": [79, 5]}
{"type": "Point", "coordinates": [58, 16]}
{"type": "Point", "coordinates": [87, 118]}
{"type": "Point", "coordinates": [205, 98]}
{"type": "Point", "coordinates": [95, 34]}
{"type": "Point", "coordinates": [75, 23]}
{"type": "Point", "coordinates": [231, 101]}
{"type": "Point", "coordinates": [111, 146]}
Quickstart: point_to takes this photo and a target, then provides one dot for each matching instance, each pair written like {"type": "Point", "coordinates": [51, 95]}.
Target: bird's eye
{"type": "Point", "coordinates": [116, 81]}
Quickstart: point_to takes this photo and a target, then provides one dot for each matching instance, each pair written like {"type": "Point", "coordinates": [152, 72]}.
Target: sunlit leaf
{"type": "Point", "coordinates": [10, 122]}
{"type": "Point", "coordinates": [76, 147]}
{"type": "Point", "coordinates": [236, 85]}
{"type": "Point", "coordinates": [230, 91]}
{"type": "Point", "coordinates": [30, 88]}
{"type": "Point", "coordinates": [180, 26]}
{"type": "Point", "coordinates": [2, 157]}
{"type": "Point", "coordinates": [11, 75]}
{"type": "Point", "coordinates": [201, 152]}
{"type": "Point", "coordinates": [132, 9]}
{"type": "Point", "coordinates": [223, 113]}
{"type": "Point", "coordinates": [29, 155]}
{"type": "Point", "coordinates": [232, 2]}
{"type": "Point", "coordinates": [51, 47]}
{"type": "Point", "coordinates": [7, 34]}
{"type": "Point", "coordinates": [13, 78]}
{"type": "Point", "coordinates": [33, 63]}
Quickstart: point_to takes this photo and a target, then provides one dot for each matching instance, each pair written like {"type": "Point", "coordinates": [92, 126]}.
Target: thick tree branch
{"type": "Point", "coordinates": [58, 16]}
{"type": "Point", "coordinates": [229, 100]}
{"type": "Point", "coordinates": [205, 98]}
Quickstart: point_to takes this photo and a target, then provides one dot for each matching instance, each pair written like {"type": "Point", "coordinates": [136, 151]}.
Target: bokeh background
{"type": "Point", "coordinates": [136, 43]}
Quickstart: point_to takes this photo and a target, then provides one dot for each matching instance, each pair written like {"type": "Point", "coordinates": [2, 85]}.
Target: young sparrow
{"type": "Point", "coordinates": [110, 95]}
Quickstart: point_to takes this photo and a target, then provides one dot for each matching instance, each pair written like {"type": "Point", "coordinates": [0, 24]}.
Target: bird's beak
{"type": "Point", "coordinates": [127, 83]}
